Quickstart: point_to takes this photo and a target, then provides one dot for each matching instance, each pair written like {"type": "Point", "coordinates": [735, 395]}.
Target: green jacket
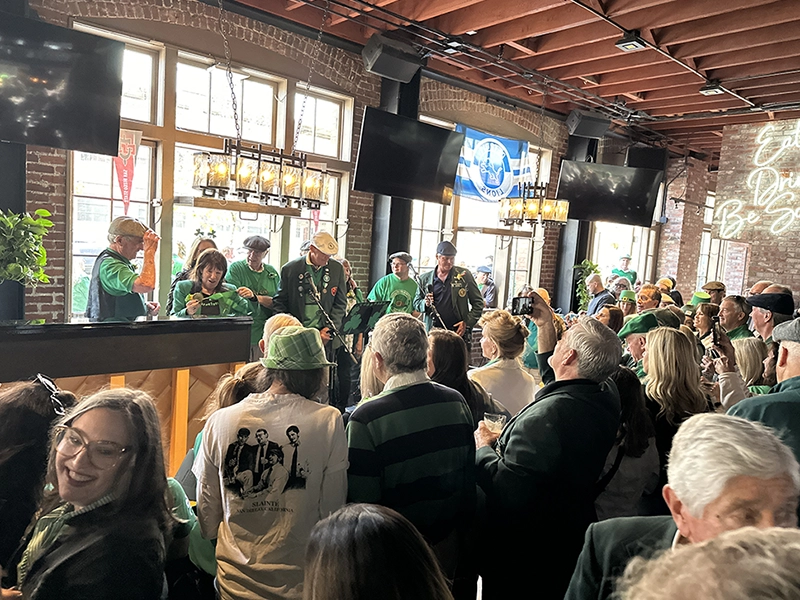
{"type": "Point", "coordinates": [540, 477]}
{"type": "Point", "coordinates": [740, 333]}
{"type": "Point", "coordinates": [467, 297]}
{"type": "Point", "coordinates": [779, 409]}
{"type": "Point", "coordinates": [231, 305]}
{"type": "Point", "coordinates": [609, 546]}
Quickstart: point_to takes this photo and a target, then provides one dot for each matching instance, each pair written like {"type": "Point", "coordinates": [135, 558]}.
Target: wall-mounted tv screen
{"type": "Point", "coordinates": [609, 193]}
{"type": "Point", "coordinates": [59, 87]}
{"type": "Point", "coordinates": [398, 156]}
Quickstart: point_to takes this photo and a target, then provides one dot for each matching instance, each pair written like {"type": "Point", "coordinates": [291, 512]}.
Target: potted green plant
{"type": "Point", "coordinates": [22, 253]}
{"type": "Point", "coordinates": [584, 269]}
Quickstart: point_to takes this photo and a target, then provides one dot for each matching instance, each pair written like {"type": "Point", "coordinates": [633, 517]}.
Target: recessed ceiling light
{"type": "Point", "coordinates": [450, 51]}
{"type": "Point", "coordinates": [630, 42]}
{"type": "Point", "coordinates": [471, 32]}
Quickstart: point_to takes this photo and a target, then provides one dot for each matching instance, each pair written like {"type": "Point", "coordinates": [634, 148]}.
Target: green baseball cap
{"type": "Point", "coordinates": [639, 324]}
{"type": "Point", "coordinates": [627, 296]}
{"type": "Point", "coordinates": [295, 349]}
{"type": "Point", "coordinates": [700, 298]}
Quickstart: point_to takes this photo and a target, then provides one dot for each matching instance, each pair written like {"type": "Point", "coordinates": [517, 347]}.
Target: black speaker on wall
{"type": "Point", "coordinates": [587, 124]}
{"type": "Point", "coordinates": [390, 58]}
{"type": "Point", "coordinates": [645, 157]}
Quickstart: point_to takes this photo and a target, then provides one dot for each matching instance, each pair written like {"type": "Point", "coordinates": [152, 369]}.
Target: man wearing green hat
{"type": "Point", "coordinates": [397, 288]}
{"type": "Point", "coordinates": [452, 292]}
{"type": "Point", "coordinates": [261, 528]}
{"type": "Point", "coordinates": [116, 290]}
{"type": "Point", "coordinates": [624, 269]}
{"type": "Point", "coordinates": [634, 334]}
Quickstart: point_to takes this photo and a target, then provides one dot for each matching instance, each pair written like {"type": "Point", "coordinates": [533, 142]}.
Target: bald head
{"type": "Point", "coordinates": [594, 284]}
{"type": "Point", "coordinates": [758, 287]}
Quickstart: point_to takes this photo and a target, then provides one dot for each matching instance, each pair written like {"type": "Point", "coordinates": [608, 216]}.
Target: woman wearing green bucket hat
{"type": "Point", "coordinates": [270, 467]}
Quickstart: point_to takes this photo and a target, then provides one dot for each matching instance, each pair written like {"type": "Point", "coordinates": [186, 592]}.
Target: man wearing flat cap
{"type": "Point", "coordinates": [715, 289]}
{"type": "Point", "coordinates": [116, 290]}
{"type": "Point", "coordinates": [452, 291]}
{"type": "Point", "coordinates": [770, 310]}
{"type": "Point", "coordinates": [314, 274]}
{"type": "Point", "coordinates": [397, 288]}
{"type": "Point", "coordinates": [780, 407]}
{"type": "Point", "coordinates": [486, 286]}
{"type": "Point", "coordinates": [262, 279]}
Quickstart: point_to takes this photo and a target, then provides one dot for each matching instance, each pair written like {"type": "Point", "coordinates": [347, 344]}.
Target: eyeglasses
{"type": "Point", "coordinates": [50, 386]}
{"type": "Point", "coordinates": [103, 455]}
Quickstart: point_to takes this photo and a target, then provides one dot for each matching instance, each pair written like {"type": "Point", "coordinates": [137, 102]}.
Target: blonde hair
{"type": "Point", "coordinates": [750, 355]}
{"type": "Point", "coordinates": [506, 331]}
{"type": "Point", "coordinates": [232, 388]}
{"type": "Point", "coordinates": [370, 385]}
{"type": "Point", "coordinates": [673, 375]}
{"type": "Point", "coordinates": [743, 564]}
{"type": "Point", "coordinates": [276, 322]}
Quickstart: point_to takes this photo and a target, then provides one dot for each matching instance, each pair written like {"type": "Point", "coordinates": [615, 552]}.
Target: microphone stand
{"type": "Point", "coordinates": [433, 304]}
{"type": "Point", "coordinates": [329, 323]}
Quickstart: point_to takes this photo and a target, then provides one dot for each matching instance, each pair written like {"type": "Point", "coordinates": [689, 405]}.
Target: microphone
{"type": "Point", "coordinates": [430, 288]}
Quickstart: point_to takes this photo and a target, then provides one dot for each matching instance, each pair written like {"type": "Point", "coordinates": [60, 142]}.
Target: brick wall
{"type": "Point", "coordinates": [679, 244]}
{"type": "Point", "coordinates": [437, 97]}
{"type": "Point", "coordinates": [47, 169]}
{"type": "Point", "coordinates": [763, 216]}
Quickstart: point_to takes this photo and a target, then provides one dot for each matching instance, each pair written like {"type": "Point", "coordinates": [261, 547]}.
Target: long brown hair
{"type": "Point", "coordinates": [144, 493]}
{"type": "Point", "coordinates": [366, 551]}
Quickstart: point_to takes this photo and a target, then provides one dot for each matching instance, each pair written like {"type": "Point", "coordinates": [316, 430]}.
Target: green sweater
{"type": "Point", "coordinates": [412, 449]}
{"type": "Point", "coordinates": [264, 283]}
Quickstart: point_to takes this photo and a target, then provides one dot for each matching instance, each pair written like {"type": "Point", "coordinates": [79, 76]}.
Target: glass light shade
{"type": "Point", "coordinates": [531, 209]}
{"type": "Point", "coordinates": [314, 186]}
{"type": "Point", "coordinates": [246, 174]}
{"type": "Point", "coordinates": [548, 209]}
{"type": "Point", "coordinates": [291, 180]}
{"type": "Point", "coordinates": [201, 170]}
{"type": "Point", "coordinates": [219, 170]}
{"type": "Point", "coordinates": [562, 211]}
{"type": "Point", "coordinates": [505, 209]}
{"type": "Point", "coordinates": [517, 208]}
{"type": "Point", "coordinates": [268, 178]}
{"type": "Point", "coordinates": [447, 195]}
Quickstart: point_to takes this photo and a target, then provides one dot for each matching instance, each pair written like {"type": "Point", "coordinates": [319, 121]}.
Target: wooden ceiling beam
{"type": "Point", "coordinates": [643, 86]}
{"type": "Point", "coordinates": [793, 96]}
{"type": "Point", "coordinates": [656, 71]}
{"type": "Point", "coordinates": [309, 16]}
{"type": "Point", "coordinates": [692, 107]}
{"type": "Point", "coordinates": [695, 99]}
{"type": "Point", "coordinates": [765, 81]}
{"type": "Point", "coordinates": [722, 44]}
{"type": "Point", "coordinates": [732, 21]}
{"type": "Point", "coordinates": [772, 90]}
{"type": "Point", "coordinates": [576, 55]}
{"type": "Point", "coordinates": [336, 19]}
{"type": "Point", "coordinates": [696, 124]}
{"type": "Point", "coordinates": [751, 55]}
{"type": "Point", "coordinates": [490, 12]}
{"type": "Point", "coordinates": [762, 68]}
{"type": "Point", "coordinates": [424, 10]}
{"type": "Point", "coordinates": [549, 21]}
{"type": "Point", "coordinates": [603, 67]}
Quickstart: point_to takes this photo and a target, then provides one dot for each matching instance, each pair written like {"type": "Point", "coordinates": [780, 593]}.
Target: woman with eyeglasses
{"type": "Point", "coordinates": [102, 524]}
{"type": "Point", "coordinates": [27, 411]}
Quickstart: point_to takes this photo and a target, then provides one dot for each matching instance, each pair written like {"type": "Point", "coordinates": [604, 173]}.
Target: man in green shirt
{"type": "Point", "coordinates": [397, 287]}
{"type": "Point", "coordinates": [116, 290]}
{"type": "Point", "coordinates": [734, 311]}
{"type": "Point", "coordinates": [624, 269]}
{"type": "Point", "coordinates": [262, 279]}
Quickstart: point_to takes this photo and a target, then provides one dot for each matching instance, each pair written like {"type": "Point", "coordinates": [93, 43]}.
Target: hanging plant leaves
{"type": "Point", "coordinates": [22, 255]}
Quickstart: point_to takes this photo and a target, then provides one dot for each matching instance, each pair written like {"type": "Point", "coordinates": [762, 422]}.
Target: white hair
{"type": "Point", "coordinates": [401, 341]}
{"type": "Point", "coordinates": [597, 347]}
{"type": "Point", "coordinates": [711, 449]}
{"type": "Point", "coordinates": [743, 564]}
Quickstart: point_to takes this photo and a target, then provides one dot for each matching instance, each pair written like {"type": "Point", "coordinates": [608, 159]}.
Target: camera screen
{"type": "Point", "coordinates": [521, 305]}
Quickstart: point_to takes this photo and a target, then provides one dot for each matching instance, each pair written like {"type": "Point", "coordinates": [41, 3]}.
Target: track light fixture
{"type": "Point", "coordinates": [631, 42]}
{"type": "Point", "coordinates": [712, 88]}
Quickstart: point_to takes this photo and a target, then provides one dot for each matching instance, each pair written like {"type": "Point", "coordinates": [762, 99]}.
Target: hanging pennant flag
{"type": "Point", "coordinates": [124, 163]}
{"type": "Point", "coordinates": [490, 167]}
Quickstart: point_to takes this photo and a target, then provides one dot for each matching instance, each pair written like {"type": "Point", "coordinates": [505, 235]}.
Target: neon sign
{"type": "Point", "coordinates": [774, 196]}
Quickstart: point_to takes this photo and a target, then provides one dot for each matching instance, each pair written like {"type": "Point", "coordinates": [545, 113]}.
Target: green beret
{"type": "Point", "coordinates": [639, 324]}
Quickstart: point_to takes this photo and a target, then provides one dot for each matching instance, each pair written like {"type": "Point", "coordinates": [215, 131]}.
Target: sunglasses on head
{"type": "Point", "coordinates": [51, 387]}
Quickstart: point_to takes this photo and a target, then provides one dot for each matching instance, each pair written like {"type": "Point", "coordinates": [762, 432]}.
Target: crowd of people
{"type": "Point", "coordinates": [593, 456]}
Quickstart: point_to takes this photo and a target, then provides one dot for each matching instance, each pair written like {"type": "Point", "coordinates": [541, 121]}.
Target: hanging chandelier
{"type": "Point", "coordinates": [532, 206]}
{"type": "Point", "coordinates": [254, 172]}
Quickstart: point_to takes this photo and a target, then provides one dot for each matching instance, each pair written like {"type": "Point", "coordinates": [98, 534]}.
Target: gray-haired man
{"type": "Point", "coordinates": [539, 474]}
{"type": "Point", "coordinates": [724, 473]}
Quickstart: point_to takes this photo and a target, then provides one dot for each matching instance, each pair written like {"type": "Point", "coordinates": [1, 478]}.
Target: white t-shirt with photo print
{"type": "Point", "coordinates": [262, 515]}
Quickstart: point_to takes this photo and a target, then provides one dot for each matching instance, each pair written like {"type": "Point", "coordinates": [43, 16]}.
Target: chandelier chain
{"type": "Point", "coordinates": [224, 29]}
{"type": "Point", "coordinates": [314, 58]}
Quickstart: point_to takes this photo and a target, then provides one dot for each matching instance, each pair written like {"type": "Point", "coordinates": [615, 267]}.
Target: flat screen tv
{"type": "Point", "coordinates": [59, 87]}
{"type": "Point", "coordinates": [398, 156]}
{"type": "Point", "coordinates": [609, 193]}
